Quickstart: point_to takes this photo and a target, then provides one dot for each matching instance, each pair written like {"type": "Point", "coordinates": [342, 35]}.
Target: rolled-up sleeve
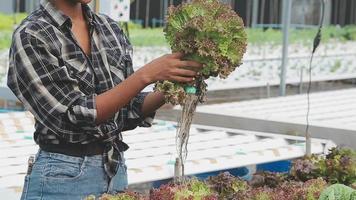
{"type": "Point", "coordinates": [135, 117]}
{"type": "Point", "coordinates": [47, 90]}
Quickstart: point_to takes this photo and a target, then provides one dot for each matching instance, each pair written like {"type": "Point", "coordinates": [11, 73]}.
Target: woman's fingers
{"type": "Point", "coordinates": [177, 55]}
{"type": "Point", "coordinates": [184, 76]}
{"type": "Point", "coordinates": [187, 63]}
{"type": "Point", "coordinates": [185, 72]}
{"type": "Point", "coordinates": [182, 79]}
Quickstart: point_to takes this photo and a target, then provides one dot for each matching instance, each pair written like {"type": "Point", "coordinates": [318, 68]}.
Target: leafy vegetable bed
{"type": "Point", "coordinates": [311, 178]}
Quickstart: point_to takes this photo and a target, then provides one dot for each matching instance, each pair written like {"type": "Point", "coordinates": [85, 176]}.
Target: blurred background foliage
{"type": "Point", "coordinates": [154, 36]}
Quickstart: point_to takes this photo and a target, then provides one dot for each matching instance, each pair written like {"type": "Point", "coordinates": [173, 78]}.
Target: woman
{"type": "Point", "coordinates": [72, 69]}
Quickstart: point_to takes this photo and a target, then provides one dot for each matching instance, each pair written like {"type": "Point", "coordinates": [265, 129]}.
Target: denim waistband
{"type": "Point", "coordinates": [96, 160]}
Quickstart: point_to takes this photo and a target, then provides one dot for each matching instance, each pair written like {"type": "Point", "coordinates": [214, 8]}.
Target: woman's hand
{"type": "Point", "coordinates": [171, 67]}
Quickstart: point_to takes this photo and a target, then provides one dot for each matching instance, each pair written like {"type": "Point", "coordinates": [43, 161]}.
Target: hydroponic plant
{"type": "Point", "coordinates": [339, 166]}
{"type": "Point", "coordinates": [191, 190]}
{"type": "Point", "coordinates": [338, 191]}
{"type": "Point", "coordinates": [227, 185]}
{"type": "Point", "coordinates": [287, 190]}
{"type": "Point", "coordinates": [268, 179]}
{"type": "Point", "coordinates": [208, 32]}
{"type": "Point", "coordinates": [128, 195]}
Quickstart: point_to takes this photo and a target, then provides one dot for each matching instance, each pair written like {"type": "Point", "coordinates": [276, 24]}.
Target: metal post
{"type": "Point", "coordinates": [335, 16]}
{"type": "Point", "coordinates": [137, 10]}
{"type": "Point", "coordinates": [28, 6]}
{"type": "Point", "coordinates": [248, 13]}
{"type": "Point", "coordinates": [147, 13]}
{"type": "Point", "coordinates": [305, 7]}
{"type": "Point", "coordinates": [14, 13]}
{"type": "Point", "coordinates": [342, 13]}
{"type": "Point", "coordinates": [262, 17]}
{"type": "Point", "coordinates": [287, 9]}
{"type": "Point", "coordinates": [300, 91]}
{"type": "Point", "coordinates": [165, 7]}
{"type": "Point", "coordinates": [17, 6]}
{"type": "Point", "coordinates": [161, 9]}
{"type": "Point", "coordinates": [276, 10]}
{"type": "Point", "coordinates": [16, 10]}
{"type": "Point", "coordinates": [328, 11]}
{"type": "Point", "coordinates": [178, 171]}
{"type": "Point", "coordinates": [271, 12]}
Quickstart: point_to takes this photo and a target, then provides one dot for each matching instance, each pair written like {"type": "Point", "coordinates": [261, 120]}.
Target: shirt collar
{"type": "Point", "coordinates": [89, 14]}
{"type": "Point", "coordinates": [59, 17]}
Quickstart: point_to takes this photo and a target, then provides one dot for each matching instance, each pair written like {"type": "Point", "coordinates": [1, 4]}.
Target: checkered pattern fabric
{"type": "Point", "coordinates": [58, 83]}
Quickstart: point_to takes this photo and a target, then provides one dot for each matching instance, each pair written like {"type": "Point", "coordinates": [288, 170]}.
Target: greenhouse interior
{"type": "Point", "coordinates": [178, 99]}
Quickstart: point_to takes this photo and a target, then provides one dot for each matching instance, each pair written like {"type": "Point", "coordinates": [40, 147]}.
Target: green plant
{"type": "Point", "coordinates": [262, 195]}
{"type": "Point", "coordinates": [339, 166]}
{"type": "Point", "coordinates": [191, 190]}
{"type": "Point", "coordinates": [259, 193]}
{"type": "Point", "coordinates": [306, 168]}
{"type": "Point", "coordinates": [195, 190]}
{"type": "Point", "coordinates": [7, 25]}
{"type": "Point", "coordinates": [120, 196]}
{"type": "Point", "coordinates": [349, 33]}
{"type": "Point", "coordinates": [338, 191]}
{"type": "Point", "coordinates": [5, 39]}
{"type": "Point", "coordinates": [164, 192]}
{"type": "Point", "coordinates": [226, 185]}
{"type": "Point", "coordinates": [313, 188]}
{"type": "Point", "coordinates": [208, 32]}
{"type": "Point", "coordinates": [286, 190]}
{"type": "Point", "coordinates": [268, 179]}
{"type": "Point", "coordinates": [7, 22]}
{"type": "Point", "coordinates": [147, 37]}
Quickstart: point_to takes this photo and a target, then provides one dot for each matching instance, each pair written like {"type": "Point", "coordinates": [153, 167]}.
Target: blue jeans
{"type": "Point", "coordinates": [57, 176]}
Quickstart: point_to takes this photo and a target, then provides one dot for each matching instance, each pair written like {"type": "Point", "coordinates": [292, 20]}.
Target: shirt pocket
{"type": "Point", "coordinates": [118, 65]}
{"type": "Point", "coordinates": [115, 58]}
{"type": "Point", "coordinates": [80, 70]}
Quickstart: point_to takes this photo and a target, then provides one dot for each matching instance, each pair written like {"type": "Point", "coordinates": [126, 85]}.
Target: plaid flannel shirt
{"type": "Point", "coordinates": [58, 83]}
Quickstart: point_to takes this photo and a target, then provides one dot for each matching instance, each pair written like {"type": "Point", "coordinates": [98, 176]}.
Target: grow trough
{"type": "Point", "coordinates": [332, 115]}
{"type": "Point", "coordinates": [152, 153]}
{"type": "Point", "coordinates": [152, 150]}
